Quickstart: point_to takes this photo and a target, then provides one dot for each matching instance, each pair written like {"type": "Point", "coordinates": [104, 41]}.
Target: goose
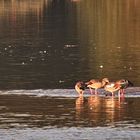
{"type": "Point", "coordinates": [119, 86]}
{"type": "Point", "coordinates": [80, 87]}
{"type": "Point", "coordinates": [112, 87]}
{"type": "Point", "coordinates": [123, 85]}
{"type": "Point", "coordinates": [96, 84]}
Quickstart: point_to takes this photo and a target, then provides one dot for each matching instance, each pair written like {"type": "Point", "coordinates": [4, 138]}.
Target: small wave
{"type": "Point", "coordinates": [74, 133]}
{"type": "Point", "coordinates": [42, 92]}
{"type": "Point", "coordinates": [130, 92]}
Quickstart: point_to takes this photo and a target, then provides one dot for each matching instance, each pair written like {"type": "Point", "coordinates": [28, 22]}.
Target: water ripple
{"type": "Point", "coordinates": [130, 92]}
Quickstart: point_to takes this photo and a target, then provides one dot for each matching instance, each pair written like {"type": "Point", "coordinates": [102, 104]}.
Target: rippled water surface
{"type": "Point", "coordinates": [48, 45]}
{"type": "Point", "coordinates": [54, 43]}
{"type": "Point", "coordinates": [60, 114]}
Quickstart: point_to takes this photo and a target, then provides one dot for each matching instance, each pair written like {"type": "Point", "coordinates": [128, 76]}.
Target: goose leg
{"type": "Point", "coordinates": [91, 91]}
{"type": "Point", "coordinates": [95, 91]}
{"type": "Point", "coordinates": [119, 93]}
{"type": "Point", "coordinates": [112, 94]}
{"type": "Point", "coordinates": [123, 91]}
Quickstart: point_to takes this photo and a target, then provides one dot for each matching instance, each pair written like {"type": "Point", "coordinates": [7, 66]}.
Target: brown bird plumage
{"type": "Point", "coordinates": [123, 83]}
{"type": "Point", "coordinates": [119, 86]}
{"type": "Point", "coordinates": [80, 87]}
{"type": "Point", "coordinates": [96, 84]}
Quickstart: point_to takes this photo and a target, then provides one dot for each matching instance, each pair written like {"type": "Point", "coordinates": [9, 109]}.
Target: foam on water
{"type": "Point", "coordinates": [72, 133]}
{"type": "Point", "coordinates": [42, 92]}
{"type": "Point", "coordinates": [130, 92]}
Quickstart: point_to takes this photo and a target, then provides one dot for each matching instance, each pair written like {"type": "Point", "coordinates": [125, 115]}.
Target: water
{"type": "Point", "coordinates": [52, 44]}
{"type": "Point", "coordinates": [60, 114]}
{"type": "Point", "coordinates": [48, 45]}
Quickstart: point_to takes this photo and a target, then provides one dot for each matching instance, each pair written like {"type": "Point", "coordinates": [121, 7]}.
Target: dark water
{"type": "Point", "coordinates": [48, 45]}
{"type": "Point", "coordinates": [54, 43]}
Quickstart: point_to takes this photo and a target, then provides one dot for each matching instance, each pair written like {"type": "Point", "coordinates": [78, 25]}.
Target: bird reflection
{"type": "Point", "coordinates": [79, 106]}
{"type": "Point", "coordinates": [94, 103]}
{"type": "Point", "coordinates": [114, 109]}
{"type": "Point", "coordinates": [99, 110]}
{"type": "Point", "coordinates": [79, 102]}
{"type": "Point", "coordinates": [95, 109]}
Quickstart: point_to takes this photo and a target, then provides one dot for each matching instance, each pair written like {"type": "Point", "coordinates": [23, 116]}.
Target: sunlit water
{"type": "Point", "coordinates": [56, 114]}
{"type": "Point", "coordinates": [54, 43]}
{"type": "Point", "coordinates": [48, 45]}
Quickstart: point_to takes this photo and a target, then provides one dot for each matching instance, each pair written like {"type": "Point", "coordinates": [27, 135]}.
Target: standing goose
{"type": "Point", "coordinates": [119, 86]}
{"type": "Point", "coordinates": [123, 85]}
{"type": "Point", "coordinates": [112, 87]}
{"type": "Point", "coordinates": [96, 84]}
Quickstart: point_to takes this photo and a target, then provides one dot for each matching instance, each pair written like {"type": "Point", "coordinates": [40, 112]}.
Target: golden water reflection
{"type": "Point", "coordinates": [15, 11]}
{"type": "Point", "coordinates": [92, 39]}
{"type": "Point", "coordinates": [99, 109]}
{"type": "Point", "coordinates": [22, 6]}
{"type": "Point", "coordinates": [110, 30]}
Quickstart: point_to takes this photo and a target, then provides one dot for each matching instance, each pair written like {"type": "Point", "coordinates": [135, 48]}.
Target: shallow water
{"type": "Point", "coordinates": [47, 46]}
{"type": "Point", "coordinates": [60, 114]}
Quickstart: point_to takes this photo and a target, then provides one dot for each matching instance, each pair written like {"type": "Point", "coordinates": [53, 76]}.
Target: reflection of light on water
{"type": "Point", "coordinates": [79, 106]}
{"type": "Point", "coordinates": [95, 108]}
{"type": "Point", "coordinates": [110, 103]}
{"type": "Point", "coordinates": [23, 6]}
{"type": "Point", "coordinates": [110, 109]}
{"type": "Point", "coordinates": [75, 0]}
{"type": "Point", "coordinates": [94, 103]}
{"type": "Point", "coordinates": [99, 109]}
{"type": "Point", "coordinates": [113, 108]}
{"type": "Point", "coordinates": [16, 8]}
{"type": "Point", "coordinates": [110, 43]}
